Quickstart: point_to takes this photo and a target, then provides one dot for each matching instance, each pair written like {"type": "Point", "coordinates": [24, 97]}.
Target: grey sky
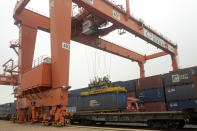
{"type": "Point", "coordinates": [175, 19]}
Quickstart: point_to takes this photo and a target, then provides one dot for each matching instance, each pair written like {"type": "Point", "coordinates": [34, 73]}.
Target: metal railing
{"type": "Point", "coordinates": [42, 59]}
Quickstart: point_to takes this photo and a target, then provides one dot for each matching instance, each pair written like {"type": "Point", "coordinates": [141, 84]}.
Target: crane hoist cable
{"type": "Point", "coordinates": [95, 74]}
{"type": "Point", "coordinates": [87, 61]}
{"type": "Point", "coordinates": [104, 64]}
{"type": "Point", "coordinates": [99, 70]}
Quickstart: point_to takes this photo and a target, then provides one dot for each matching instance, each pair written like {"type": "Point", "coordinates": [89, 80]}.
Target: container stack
{"type": "Point", "coordinates": [150, 91]}
{"type": "Point", "coordinates": [180, 89]}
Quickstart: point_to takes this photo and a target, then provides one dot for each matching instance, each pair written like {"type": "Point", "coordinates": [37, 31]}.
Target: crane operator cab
{"type": "Point", "coordinates": [135, 105]}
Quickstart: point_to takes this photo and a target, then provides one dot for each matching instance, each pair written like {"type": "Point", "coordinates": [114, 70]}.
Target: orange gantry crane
{"type": "Point", "coordinates": [43, 90]}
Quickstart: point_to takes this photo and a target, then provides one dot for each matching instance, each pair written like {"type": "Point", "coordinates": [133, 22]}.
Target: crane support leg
{"type": "Point", "coordinates": [27, 45]}
{"type": "Point", "coordinates": [174, 63]}
{"type": "Point", "coordinates": [142, 71]}
{"type": "Point", "coordinates": [60, 25]}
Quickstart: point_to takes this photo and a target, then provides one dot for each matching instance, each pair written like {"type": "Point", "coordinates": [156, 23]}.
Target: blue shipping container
{"type": "Point", "coordinates": [72, 96]}
{"type": "Point", "coordinates": [102, 102]}
{"type": "Point", "coordinates": [151, 95]}
{"type": "Point", "coordinates": [178, 93]}
{"type": "Point", "coordinates": [179, 77]}
{"type": "Point", "coordinates": [182, 105]}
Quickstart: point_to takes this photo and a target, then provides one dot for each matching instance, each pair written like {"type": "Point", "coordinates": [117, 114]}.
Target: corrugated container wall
{"type": "Point", "coordinates": [5, 109]}
{"type": "Point", "coordinates": [182, 92]}
{"type": "Point", "coordinates": [149, 82]}
{"type": "Point", "coordinates": [72, 96]}
{"type": "Point", "coordinates": [155, 107]}
{"type": "Point", "coordinates": [8, 109]}
{"type": "Point", "coordinates": [182, 105]}
{"type": "Point", "coordinates": [13, 108]}
{"type": "Point", "coordinates": [195, 81]}
{"type": "Point", "coordinates": [151, 95]}
{"type": "Point", "coordinates": [101, 102]}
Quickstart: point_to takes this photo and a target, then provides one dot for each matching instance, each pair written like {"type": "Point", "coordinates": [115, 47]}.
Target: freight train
{"type": "Point", "coordinates": [170, 101]}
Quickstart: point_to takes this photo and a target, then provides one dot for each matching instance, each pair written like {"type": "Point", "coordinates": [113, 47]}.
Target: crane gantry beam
{"type": "Point", "coordinates": [107, 46]}
{"type": "Point", "coordinates": [156, 55]}
{"type": "Point", "coordinates": [33, 20]}
{"type": "Point", "coordinates": [106, 9]}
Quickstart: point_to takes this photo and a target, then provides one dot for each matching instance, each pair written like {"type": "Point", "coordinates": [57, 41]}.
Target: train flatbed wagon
{"type": "Point", "coordinates": [167, 120]}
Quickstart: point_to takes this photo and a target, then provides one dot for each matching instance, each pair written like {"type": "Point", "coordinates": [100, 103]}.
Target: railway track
{"type": "Point", "coordinates": [8, 126]}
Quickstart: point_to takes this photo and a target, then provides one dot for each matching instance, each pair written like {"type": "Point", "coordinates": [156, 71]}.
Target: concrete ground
{"type": "Point", "coordinates": [8, 126]}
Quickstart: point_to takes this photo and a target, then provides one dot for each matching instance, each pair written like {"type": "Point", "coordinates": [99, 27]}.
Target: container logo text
{"type": "Point", "coordinates": [93, 103]}
{"type": "Point", "coordinates": [173, 104]}
{"type": "Point", "coordinates": [171, 90]}
{"type": "Point", "coordinates": [177, 78]}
